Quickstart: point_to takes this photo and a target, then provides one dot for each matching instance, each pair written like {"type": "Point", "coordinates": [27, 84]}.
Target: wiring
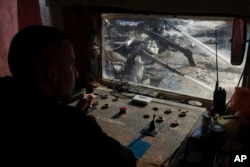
{"type": "Point", "coordinates": [120, 84]}
{"type": "Point", "coordinates": [241, 76]}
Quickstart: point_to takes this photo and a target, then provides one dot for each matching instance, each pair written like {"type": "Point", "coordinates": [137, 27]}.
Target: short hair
{"type": "Point", "coordinates": [26, 47]}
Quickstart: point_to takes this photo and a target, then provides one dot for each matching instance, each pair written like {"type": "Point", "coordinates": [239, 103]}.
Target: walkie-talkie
{"type": "Point", "coordinates": [219, 100]}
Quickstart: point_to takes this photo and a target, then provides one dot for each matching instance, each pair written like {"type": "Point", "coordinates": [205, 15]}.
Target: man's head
{"type": "Point", "coordinates": [43, 57]}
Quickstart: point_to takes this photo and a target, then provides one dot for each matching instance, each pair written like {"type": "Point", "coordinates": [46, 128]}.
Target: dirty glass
{"type": "Point", "coordinates": [172, 54]}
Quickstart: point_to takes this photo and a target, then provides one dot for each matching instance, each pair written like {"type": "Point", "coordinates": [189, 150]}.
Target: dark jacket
{"type": "Point", "coordinates": [37, 130]}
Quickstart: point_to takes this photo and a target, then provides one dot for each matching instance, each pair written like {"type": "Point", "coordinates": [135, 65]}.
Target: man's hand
{"type": "Point", "coordinates": [87, 102]}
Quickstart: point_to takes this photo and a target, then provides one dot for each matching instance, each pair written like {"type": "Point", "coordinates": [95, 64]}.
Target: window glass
{"type": "Point", "coordinates": [173, 54]}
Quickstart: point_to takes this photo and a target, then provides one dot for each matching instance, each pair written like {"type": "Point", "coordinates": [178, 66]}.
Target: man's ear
{"type": "Point", "coordinates": [51, 72]}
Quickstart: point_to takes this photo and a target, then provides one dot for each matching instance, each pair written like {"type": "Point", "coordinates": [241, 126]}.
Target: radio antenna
{"type": "Point", "coordinates": [216, 56]}
{"type": "Point", "coordinates": [219, 97]}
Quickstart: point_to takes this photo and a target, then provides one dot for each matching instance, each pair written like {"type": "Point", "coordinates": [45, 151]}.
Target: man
{"type": "Point", "coordinates": [38, 128]}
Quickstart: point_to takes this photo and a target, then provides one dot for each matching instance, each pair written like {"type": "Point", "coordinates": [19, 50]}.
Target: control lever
{"type": "Point", "coordinates": [152, 125]}
{"type": "Point", "coordinates": [152, 129]}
